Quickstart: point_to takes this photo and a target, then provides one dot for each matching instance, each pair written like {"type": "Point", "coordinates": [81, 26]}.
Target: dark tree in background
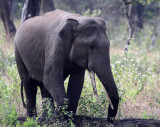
{"type": "Point", "coordinates": [134, 14]}
{"type": "Point", "coordinates": [31, 8]}
{"type": "Point", "coordinates": [11, 8]}
{"type": "Point", "coordinates": [47, 5]}
{"type": "Point", "coordinates": [152, 12]}
{"type": "Point", "coordinates": [7, 17]}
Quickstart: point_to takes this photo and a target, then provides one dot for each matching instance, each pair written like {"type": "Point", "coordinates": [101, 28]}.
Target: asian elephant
{"type": "Point", "coordinates": [51, 47]}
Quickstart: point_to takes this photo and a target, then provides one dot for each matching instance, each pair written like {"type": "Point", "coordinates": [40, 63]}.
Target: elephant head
{"type": "Point", "coordinates": [90, 49]}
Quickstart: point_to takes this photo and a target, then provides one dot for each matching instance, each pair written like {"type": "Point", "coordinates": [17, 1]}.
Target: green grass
{"type": "Point", "coordinates": [137, 75]}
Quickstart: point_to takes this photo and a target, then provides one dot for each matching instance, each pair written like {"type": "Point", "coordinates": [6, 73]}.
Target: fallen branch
{"type": "Point", "coordinates": [85, 121]}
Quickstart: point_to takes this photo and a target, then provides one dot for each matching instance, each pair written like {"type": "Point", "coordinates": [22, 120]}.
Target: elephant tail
{"type": "Point", "coordinates": [22, 97]}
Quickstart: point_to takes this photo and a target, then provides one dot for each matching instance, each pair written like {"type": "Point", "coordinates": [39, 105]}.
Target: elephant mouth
{"type": "Point", "coordinates": [93, 82]}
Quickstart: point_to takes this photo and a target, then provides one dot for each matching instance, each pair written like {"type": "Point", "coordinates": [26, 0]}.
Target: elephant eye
{"type": "Point", "coordinates": [76, 33]}
{"type": "Point", "coordinates": [93, 44]}
{"type": "Point", "coordinates": [91, 47]}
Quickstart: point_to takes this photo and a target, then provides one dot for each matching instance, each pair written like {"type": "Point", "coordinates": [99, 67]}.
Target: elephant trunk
{"type": "Point", "coordinates": [104, 73]}
{"type": "Point", "coordinates": [92, 77]}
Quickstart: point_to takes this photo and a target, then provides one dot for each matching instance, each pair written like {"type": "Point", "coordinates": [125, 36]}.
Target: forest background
{"type": "Point", "coordinates": [133, 28]}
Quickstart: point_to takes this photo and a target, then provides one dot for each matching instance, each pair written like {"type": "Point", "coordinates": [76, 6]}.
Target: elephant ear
{"type": "Point", "coordinates": [68, 31]}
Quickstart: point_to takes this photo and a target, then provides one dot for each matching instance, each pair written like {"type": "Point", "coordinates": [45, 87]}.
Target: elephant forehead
{"type": "Point", "coordinates": [88, 22]}
{"type": "Point", "coordinates": [91, 25]}
{"type": "Point", "coordinates": [91, 20]}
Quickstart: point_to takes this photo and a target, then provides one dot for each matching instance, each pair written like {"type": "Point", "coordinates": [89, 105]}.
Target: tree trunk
{"type": "Point", "coordinates": [47, 5]}
{"type": "Point", "coordinates": [128, 12]}
{"type": "Point", "coordinates": [154, 34]}
{"type": "Point", "coordinates": [140, 12]}
{"type": "Point", "coordinates": [7, 21]}
{"type": "Point", "coordinates": [11, 8]}
{"type": "Point", "coordinates": [31, 8]}
{"type": "Point", "coordinates": [134, 14]}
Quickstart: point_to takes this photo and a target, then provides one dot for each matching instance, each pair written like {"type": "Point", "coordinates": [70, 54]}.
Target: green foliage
{"type": "Point", "coordinates": [31, 123]}
{"type": "Point", "coordinates": [88, 105]}
{"type": "Point", "coordinates": [93, 13]}
{"type": "Point", "coordinates": [2, 40]}
{"type": "Point", "coordinates": [148, 115]}
{"type": "Point", "coordinates": [6, 60]}
{"type": "Point", "coordinates": [142, 1]}
{"type": "Point", "coordinates": [8, 112]}
{"type": "Point", "coordinates": [64, 112]}
{"type": "Point", "coordinates": [8, 88]}
{"type": "Point", "coordinates": [47, 106]}
{"type": "Point", "coordinates": [2, 63]}
{"type": "Point", "coordinates": [131, 75]}
{"type": "Point", "coordinates": [145, 1]}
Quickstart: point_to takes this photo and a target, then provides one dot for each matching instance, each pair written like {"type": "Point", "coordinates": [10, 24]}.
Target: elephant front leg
{"type": "Point", "coordinates": [54, 84]}
{"type": "Point", "coordinates": [74, 88]}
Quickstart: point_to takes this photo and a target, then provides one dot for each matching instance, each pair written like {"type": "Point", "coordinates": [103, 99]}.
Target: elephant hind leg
{"type": "Point", "coordinates": [47, 103]}
{"type": "Point", "coordinates": [29, 85]}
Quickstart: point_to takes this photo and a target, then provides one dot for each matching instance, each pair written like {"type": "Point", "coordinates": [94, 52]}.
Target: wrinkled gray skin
{"type": "Point", "coordinates": [51, 47]}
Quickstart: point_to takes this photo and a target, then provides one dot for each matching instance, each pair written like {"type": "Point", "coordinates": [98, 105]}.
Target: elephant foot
{"type": "Point", "coordinates": [111, 120]}
{"type": "Point", "coordinates": [22, 119]}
